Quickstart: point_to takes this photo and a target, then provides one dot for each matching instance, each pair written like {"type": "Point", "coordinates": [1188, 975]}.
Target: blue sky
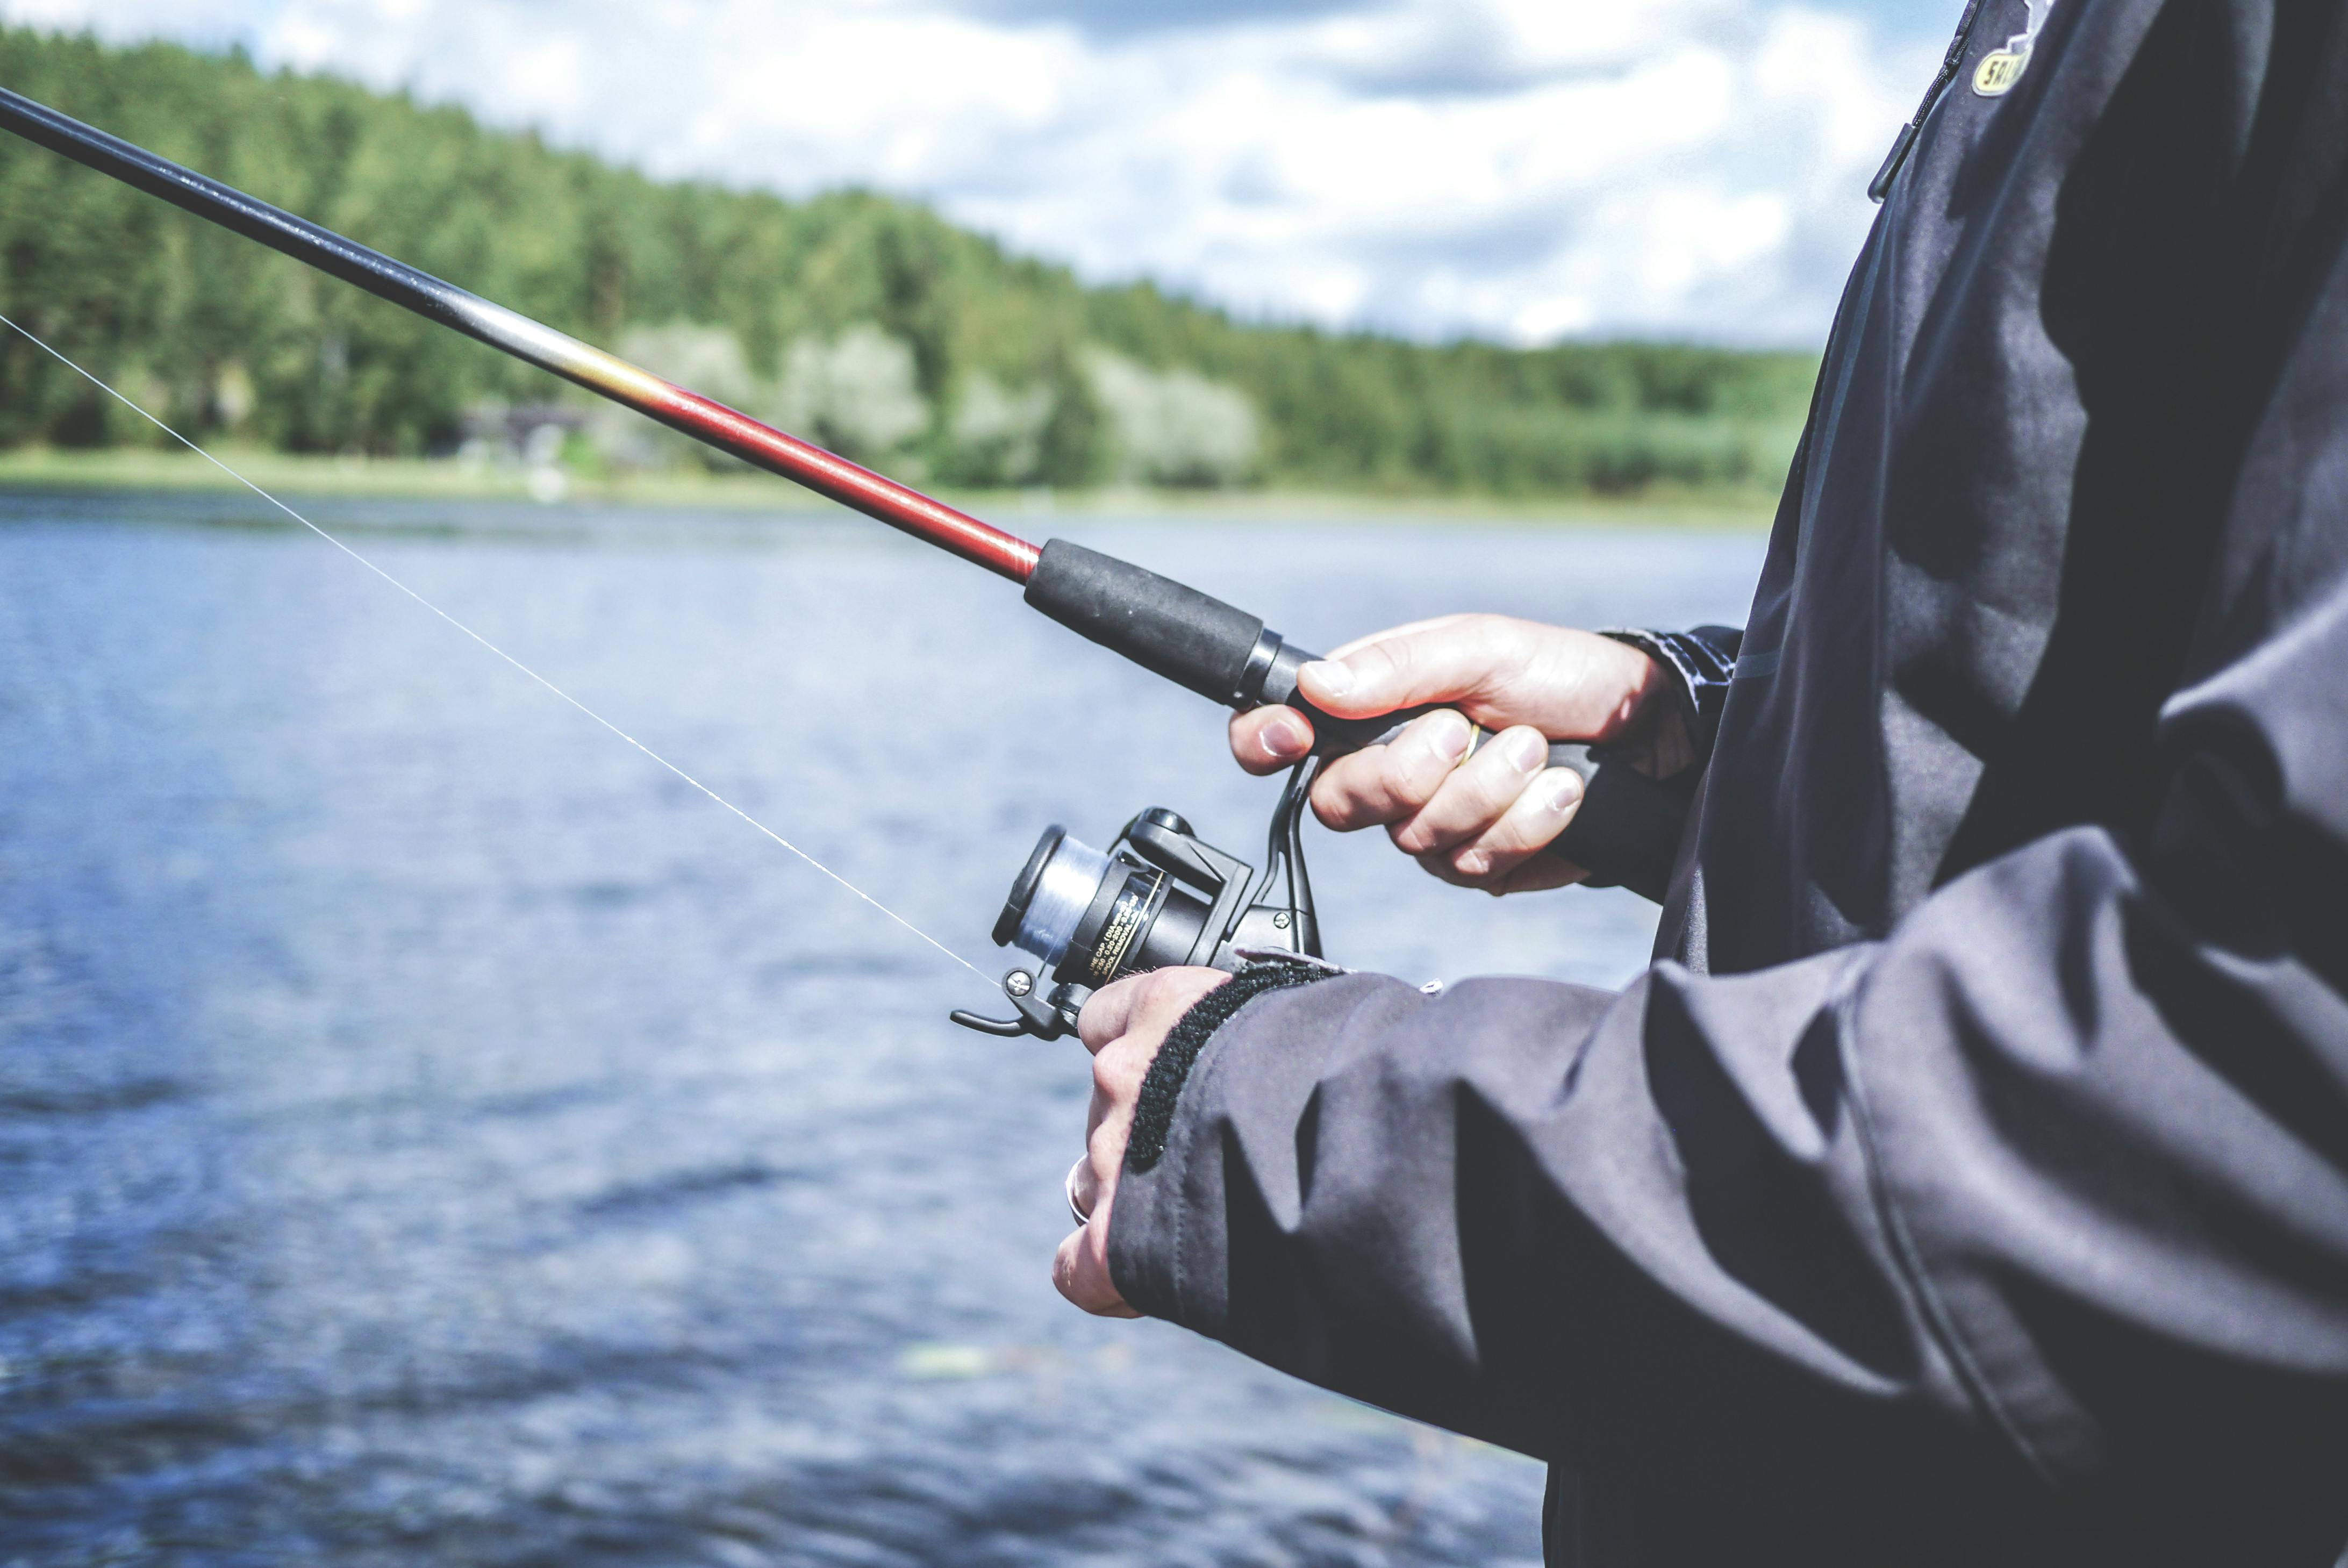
{"type": "Point", "coordinates": [1521, 169]}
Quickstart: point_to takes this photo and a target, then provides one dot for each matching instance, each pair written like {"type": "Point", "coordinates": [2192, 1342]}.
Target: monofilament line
{"type": "Point", "coordinates": [71, 365]}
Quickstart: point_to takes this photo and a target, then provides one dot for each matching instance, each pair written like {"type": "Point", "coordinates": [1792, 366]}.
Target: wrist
{"type": "Point", "coordinates": [1687, 683]}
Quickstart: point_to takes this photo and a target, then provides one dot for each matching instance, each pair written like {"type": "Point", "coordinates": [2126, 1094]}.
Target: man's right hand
{"type": "Point", "coordinates": [1478, 822]}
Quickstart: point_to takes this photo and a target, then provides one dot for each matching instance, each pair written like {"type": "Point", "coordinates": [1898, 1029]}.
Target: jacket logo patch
{"type": "Point", "coordinates": [1999, 72]}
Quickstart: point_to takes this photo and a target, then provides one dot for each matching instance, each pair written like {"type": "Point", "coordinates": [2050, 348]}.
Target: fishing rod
{"type": "Point", "coordinates": [1160, 895]}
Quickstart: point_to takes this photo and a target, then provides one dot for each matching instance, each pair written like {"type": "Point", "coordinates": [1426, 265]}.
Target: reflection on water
{"type": "Point", "coordinates": [429, 1132]}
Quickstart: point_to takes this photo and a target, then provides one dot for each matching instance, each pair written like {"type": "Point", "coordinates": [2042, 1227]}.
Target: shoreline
{"type": "Point", "coordinates": [139, 469]}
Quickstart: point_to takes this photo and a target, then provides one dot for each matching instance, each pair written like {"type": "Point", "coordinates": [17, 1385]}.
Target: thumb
{"type": "Point", "coordinates": [1440, 664]}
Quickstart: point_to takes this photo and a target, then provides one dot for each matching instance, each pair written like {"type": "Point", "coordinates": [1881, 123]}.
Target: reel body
{"type": "Point", "coordinates": [1158, 897]}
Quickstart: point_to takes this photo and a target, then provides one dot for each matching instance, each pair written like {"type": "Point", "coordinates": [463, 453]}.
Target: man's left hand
{"type": "Point", "coordinates": [1123, 1025]}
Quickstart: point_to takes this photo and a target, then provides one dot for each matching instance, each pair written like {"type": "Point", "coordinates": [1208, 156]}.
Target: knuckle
{"type": "Point", "coordinates": [1382, 660]}
{"type": "Point", "coordinates": [1405, 780]}
{"type": "Point", "coordinates": [1516, 834]}
{"type": "Point", "coordinates": [1513, 848]}
{"type": "Point", "coordinates": [1349, 799]}
{"type": "Point", "coordinates": [1498, 786]}
{"type": "Point", "coordinates": [1455, 815]}
{"type": "Point", "coordinates": [1441, 869]}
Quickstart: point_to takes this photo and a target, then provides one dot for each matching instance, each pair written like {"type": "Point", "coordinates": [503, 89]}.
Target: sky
{"type": "Point", "coordinates": [1522, 171]}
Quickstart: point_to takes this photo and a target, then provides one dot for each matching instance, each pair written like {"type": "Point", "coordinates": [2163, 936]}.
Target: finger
{"type": "Point", "coordinates": [1105, 1159]}
{"type": "Point", "coordinates": [1109, 1010]}
{"type": "Point", "coordinates": [1118, 1069]}
{"type": "Point", "coordinates": [1535, 875]}
{"type": "Point", "coordinates": [1478, 794]}
{"type": "Point", "coordinates": [1532, 875]}
{"type": "Point", "coordinates": [1408, 628]}
{"type": "Point", "coordinates": [1080, 1269]}
{"type": "Point", "coordinates": [1116, 1085]}
{"type": "Point", "coordinates": [1540, 811]}
{"type": "Point", "coordinates": [1098, 1111]}
{"type": "Point", "coordinates": [1267, 739]}
{"type": "Point", "coordinates": [1501, 671]}
{"type": "Point", "coordinates": [1387, 783]}
{"type": "Point", "coordinates": [1435, 661]}
{"type": "Point", "coordinates": [1085, 1185]}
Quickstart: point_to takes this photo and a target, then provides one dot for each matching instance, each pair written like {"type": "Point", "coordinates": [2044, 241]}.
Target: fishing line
{"type": "Point", "coordinates": [71, 365]}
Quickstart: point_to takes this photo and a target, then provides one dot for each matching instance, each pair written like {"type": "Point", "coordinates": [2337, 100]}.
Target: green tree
{"type": "Point", "coordinates": [220, 336]}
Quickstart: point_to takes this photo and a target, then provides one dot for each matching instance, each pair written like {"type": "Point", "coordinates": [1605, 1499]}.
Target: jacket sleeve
{"type": "Point", "coordinates": [1701, 663]}
{"type": "Point", "coordinates": [1641, 828]}
{"type": "Point", "coordinates": [2046, 1194]}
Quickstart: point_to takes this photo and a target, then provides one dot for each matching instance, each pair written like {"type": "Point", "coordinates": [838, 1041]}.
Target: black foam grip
{"type": "Point", "coordinates": [1166, 628]}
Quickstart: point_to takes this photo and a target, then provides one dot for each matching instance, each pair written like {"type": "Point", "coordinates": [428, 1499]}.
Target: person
{"type": "Point", "coordinates": [1967, 1180]}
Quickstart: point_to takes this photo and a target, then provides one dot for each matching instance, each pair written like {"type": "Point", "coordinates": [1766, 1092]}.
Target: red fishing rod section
{"type": "Point", "coordinates": [607, 375]}
{"type": "Point", "coordinates": [875, 495]}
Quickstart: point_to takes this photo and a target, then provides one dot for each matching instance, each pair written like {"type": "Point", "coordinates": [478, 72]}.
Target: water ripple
{"type": "Point", "coordinates": [426, 1135]}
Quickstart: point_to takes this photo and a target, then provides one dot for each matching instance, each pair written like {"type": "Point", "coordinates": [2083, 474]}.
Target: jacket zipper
{"type": "Point", "coordinates": [1880, 186]}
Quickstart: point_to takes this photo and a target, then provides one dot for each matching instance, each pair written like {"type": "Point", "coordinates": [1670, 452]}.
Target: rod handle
{"type": "Point", "coordinates": [1166, 627]}
{"type": "Point", "coordinates": [1626, 831]}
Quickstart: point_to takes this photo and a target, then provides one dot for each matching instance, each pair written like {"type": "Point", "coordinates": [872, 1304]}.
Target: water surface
{"type": "Point", "coordinates": [429, 1132]}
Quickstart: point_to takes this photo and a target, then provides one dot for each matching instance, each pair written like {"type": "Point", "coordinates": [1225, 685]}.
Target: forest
{"type": "Point", "coordinates": [862, 321]}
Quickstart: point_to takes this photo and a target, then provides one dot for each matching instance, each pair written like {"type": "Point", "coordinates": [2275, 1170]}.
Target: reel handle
{"type": "Point", "coordinates": [1627, 830]}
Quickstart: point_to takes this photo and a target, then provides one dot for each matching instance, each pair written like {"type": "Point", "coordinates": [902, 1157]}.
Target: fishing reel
{"type": "Point", "coordinates": [1159, 896]}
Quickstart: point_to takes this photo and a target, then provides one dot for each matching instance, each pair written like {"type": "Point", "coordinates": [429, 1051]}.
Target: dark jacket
{"type": "Point", "coordinates": [1967, 1182]}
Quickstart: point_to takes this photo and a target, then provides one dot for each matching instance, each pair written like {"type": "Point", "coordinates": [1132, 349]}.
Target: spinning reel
{"type": "Point", "coordinates": [1157, 897]}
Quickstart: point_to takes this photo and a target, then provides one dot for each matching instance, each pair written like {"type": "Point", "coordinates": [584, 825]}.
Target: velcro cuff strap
{"type": "Point", "coordinates": [1153, 1114]}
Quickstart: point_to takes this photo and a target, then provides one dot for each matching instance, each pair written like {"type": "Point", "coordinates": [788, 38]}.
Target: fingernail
{"type": "Point", "coordinates": [1330, 676]}
{"type": "Point", "coordinates": [1283, 738]}
{"type": "Point", "coordinates": [1528, 751]}
{"type": "Point", "coordinates": [1448, 733]}
{"type": "Point", "coordinates": [1562, 790]}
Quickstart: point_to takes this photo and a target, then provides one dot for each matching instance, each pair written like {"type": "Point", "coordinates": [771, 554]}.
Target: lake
{"type": "Point", "coordinates": [430, 1133]}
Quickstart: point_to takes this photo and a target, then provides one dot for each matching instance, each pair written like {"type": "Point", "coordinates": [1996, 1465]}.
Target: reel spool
{"type": "Point", "coordinates": [1158, 897]}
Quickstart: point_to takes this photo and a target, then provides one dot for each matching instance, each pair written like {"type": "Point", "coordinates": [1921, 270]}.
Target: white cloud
{"type": "Point", "coordinates": [1516, 169]}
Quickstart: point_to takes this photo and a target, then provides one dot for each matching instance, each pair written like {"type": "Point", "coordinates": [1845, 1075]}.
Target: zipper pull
{"type": "Point", "coordinates": [1905, 142]}
{"type": "Point", "coordinates": [1880, 186]}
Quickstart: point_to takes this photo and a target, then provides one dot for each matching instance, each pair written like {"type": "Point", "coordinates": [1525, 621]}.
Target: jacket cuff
{"type": "Point", "coordinates": [1170, 1068]}
{"type": "Point", "coordinates": [1702, 663]}
{"type": "Point", "coordinates": [1146, 1234]}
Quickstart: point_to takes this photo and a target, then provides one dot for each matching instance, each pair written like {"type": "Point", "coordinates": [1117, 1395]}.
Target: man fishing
{"type": "Point", "coordinates": [1967, 1182]}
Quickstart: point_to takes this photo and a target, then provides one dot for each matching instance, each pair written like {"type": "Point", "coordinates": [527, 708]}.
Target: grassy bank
{"type": "Point", "coordinates": [417, 479]}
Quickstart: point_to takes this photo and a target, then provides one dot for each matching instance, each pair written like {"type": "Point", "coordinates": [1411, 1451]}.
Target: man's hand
{"type": "Point", "coordinates": [1478, 822]}
{"type": "Point", "coordinates": [1122, 1026]}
